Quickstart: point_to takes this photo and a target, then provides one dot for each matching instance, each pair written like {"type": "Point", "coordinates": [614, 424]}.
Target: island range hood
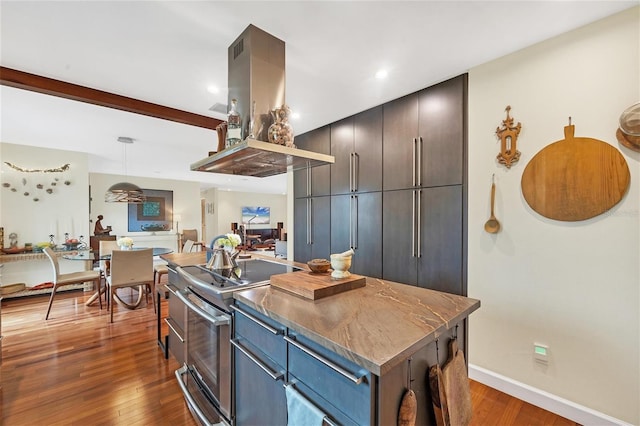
{"type": "Point", "coordinates": [257, 78]}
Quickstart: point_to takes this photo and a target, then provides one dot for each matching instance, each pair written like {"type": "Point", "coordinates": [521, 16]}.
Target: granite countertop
{"type": "Point", "coordinates": [376, 326]}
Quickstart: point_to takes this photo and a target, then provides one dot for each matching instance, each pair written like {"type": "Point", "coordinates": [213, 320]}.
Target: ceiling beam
{"type": "Point", "coordinates": [49, 86]}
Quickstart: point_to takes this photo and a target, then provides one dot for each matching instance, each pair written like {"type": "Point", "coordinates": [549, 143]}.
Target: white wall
{"type": "Point", "coordinates": [228, 208]}
{"type": "Point", "coordinates": [66, 209]}
{"type": "Point", "coordinates": [186, 203]}
{"type": "Point", "coordinates": [572, 286]}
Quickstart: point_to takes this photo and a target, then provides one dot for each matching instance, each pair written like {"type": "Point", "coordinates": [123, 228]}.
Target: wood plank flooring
{"type": "Point", "coordinates": [78, 369]}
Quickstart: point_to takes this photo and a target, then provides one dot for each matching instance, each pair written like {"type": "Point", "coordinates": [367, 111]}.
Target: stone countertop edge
{"type": "Point", "coordinates": [185, 259]}
{"type": "Point", "coordinates": [376, 326]}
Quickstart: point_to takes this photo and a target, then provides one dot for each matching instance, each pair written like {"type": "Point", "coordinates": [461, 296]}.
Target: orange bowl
{"type": "Point", "coordinates": [319, 266]}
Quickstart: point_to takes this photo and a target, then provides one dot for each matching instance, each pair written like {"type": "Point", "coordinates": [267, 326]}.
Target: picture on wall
{"type": "Point", "coordinates": [155, 214]}
{"type": "Point", "coordinates": [256, 215]}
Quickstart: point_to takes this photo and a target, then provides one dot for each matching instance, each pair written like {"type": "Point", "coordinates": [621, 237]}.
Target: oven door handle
{"type": "Point", "coordinates": [273, 374]}
{"type": "Point", "coordinates": [219, 320]}
{"type": "Point", "coordinates": [193, 405]}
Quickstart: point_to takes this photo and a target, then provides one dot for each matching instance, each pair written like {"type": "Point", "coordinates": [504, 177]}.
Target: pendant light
{"type": "Point", "coordinates": [124, 192]}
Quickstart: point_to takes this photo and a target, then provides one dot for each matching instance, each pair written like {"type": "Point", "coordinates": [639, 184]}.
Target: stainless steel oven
{"type": "Point", "coordinates": [206, 376]}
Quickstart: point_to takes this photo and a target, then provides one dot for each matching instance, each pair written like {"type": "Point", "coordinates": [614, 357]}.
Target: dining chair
{"type": "Point", "coordinates": [188, 234]}
{"type": "Point", "coordinates": [70, 278]}
{"type": "Point", "coordinates": [161, 269]}
{"type": "Point", "coordinates": [130, 268]}
{"type": "Point", "coordinates": [106, 247]}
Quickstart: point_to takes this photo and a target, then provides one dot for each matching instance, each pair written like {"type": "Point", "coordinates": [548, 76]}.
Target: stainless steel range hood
{"type": "Point", "coordinates": [257, 77]}
{"type": "Point", "coordinates": [260, 159]}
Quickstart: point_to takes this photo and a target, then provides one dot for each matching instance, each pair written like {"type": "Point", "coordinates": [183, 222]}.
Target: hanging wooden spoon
{"type": "Point", "coordinates": [492, 225]}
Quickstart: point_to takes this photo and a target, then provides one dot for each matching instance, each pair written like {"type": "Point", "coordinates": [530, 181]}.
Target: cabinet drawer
{"type": "Point", "coordinates": [343, 384]}
{"type": "Point", "coordinates": [177, 309]}
{"type": "Point", "coordinates": [263, 332]}
{"type": "Point", "coordinates": [259, 391]}
{"type": "Point", "coordinates": [176, 343]}
{"type": "Point", "coordinates": [335, 415]}
{"type": "Point", "coordinates": [173, 278]}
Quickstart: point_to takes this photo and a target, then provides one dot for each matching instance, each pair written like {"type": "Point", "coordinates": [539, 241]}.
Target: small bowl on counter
{"type": "Point", "coordinates": [319, 266]}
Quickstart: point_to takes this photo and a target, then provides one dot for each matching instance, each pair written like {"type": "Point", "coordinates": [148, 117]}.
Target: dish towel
{"type": "Point", "coordinates": [301, 412]}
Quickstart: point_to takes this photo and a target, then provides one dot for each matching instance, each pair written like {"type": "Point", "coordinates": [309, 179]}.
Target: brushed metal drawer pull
{"type": "Point", "coordinates": [274, 375]}
{"type": "Point", "coordinates": [172, 289]}
{"type": "Point", "coordinates": [258, 321]}
{"type": "Point", "coordinates": [355, 379]}
{"type": "Point", "coordinates": [168, 321]}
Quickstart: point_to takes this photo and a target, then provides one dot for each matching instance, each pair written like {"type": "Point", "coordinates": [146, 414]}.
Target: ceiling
{"type": "Point", "coordinates": [169, 53]}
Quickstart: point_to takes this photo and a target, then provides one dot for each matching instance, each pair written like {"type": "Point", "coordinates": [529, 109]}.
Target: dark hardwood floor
{"type": "Point", "coordinates": [78, 369]}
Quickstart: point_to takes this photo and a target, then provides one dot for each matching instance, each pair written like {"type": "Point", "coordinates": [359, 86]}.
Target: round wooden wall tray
{"type": "Point", "coordinates": [575, 178]}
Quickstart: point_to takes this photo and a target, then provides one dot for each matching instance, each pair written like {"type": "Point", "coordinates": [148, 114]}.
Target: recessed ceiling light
{"type": "Point", "coordinates": [382, 74]}
{"type": "Point", "coordinates": [213, 89]}
{"type": "Point", "coordinates": [295, 115]}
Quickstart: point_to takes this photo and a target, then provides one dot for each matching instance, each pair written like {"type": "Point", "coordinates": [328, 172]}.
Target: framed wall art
{"type": "Point", "coordinates": [155, 214]}
{"type": "Point", "coordinates": [256, 215]}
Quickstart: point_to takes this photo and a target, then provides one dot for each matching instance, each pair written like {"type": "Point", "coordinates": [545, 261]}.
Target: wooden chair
{"type": "Point", "coordinates": [188, 234]}
{"type": "Point", "coordinates": [130, 268]}
{"type": "Point", "coordinates": [162, 269]}
{"type": "Point", "coordinates": [70, 278]}
{"type": "Point", "coordinates": [106, 247]}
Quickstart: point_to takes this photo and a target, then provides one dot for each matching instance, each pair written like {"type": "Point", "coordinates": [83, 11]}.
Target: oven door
{"type": "Point", "coordinates": [206, 376]}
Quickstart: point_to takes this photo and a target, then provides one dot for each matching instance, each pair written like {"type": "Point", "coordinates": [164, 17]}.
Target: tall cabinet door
{"type": "Point", "coordinates": [312, 223]}
{"type": "Point", "coordinates": [314, 181]}
{"type": "Point", "coordinates": [440, 233]}
{"type": "Point", "coordinates": [302, 232]}
{"type": "Point", "coordinates": [320, 227]}
{"type": "Point", "coordinates": [367, 146]}
{"type": "Point", "coordinates": [442, 121]}
{"type": "Point", "coordinates": [342, 151]}
{"type": "Point", "coordinates": [367, 214]}
{"type": "Point", "coordinates": [399, 253]}
{"type": "Point", "coordinates": [400, 132]}
{"type": "Point", "coordinates": [356, 221]}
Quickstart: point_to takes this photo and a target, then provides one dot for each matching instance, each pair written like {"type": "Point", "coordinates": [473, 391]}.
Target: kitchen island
{"type": "Point", "coordinates": [353, 354]}
{"type": "Point", "coordinates": [378, 328]}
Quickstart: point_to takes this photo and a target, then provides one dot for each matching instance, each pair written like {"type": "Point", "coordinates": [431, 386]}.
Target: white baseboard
{"type": "Point", "coordinates": [562, 407]}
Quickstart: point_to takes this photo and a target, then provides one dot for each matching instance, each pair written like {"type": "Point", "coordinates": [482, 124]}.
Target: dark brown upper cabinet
{"type": "Point", "coordinates": [313, 181]}
{"type": "Point", "coordinates": [424, 135]}
{"type": "Point", "coordinates": [356, 144]}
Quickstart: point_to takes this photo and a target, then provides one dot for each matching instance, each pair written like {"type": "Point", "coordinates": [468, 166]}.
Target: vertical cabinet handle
{"type": "Point", "coordinates": [413, 224]}
{"type": "Point", "coordinates": [356, 171]}
{"type": "Point", "coordinates": [308, 178]}
{"type": "Point", "coordinates": [355, 224]}
{"type": "Point", "coordinates": [351, 221]}
{"type": "Point", "coordinates": [419, 227]}
{"type": "Point", "coordinates": [351, 172]}
{"type": "Point", "coordinates": [419, 161]}
{"type": "Point", "coordinates": [413, 163]}
{"type": "Point", "coordinates": [309, 219]}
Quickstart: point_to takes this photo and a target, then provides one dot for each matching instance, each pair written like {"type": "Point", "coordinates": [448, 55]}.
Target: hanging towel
{"type": "Point", "coordinates": [300, 411]}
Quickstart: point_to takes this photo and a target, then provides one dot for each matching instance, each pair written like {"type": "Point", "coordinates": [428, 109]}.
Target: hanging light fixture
{"type": "Point", "coordinates": [124, 192]}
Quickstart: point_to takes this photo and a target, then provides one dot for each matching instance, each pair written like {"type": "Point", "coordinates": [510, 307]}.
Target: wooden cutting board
{"type": "Point", "coordinates": [575, 178]}
{"type": "Point", "coordinates": [315, 286]}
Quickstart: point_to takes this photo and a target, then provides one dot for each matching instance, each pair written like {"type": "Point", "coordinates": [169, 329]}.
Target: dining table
{"type": "Point", "coordinates": [88, 255]}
